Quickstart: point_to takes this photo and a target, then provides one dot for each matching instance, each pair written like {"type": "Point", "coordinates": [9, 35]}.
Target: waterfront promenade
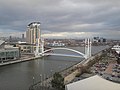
{"type": "Point", "coordinates": [69, 73]}
{"type": "Point", "coordinates": [78, 68]}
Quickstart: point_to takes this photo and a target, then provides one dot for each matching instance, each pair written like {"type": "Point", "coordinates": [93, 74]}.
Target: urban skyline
{"type": "Point", "coordinates": [62, 19]}
{"type": "Point", "coordinates": [52, 45]}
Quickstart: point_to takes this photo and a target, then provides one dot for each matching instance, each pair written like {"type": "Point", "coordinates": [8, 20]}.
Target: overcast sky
{"type": "Point", "coordinates": [62, 18]}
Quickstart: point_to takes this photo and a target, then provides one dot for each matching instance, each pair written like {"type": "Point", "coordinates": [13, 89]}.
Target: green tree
{"type": "Point", "coordinates": [58, 81]}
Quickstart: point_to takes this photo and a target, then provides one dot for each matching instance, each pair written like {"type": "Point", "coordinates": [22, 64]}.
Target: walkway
{"type": "Point", "coordinates": [109, 68]}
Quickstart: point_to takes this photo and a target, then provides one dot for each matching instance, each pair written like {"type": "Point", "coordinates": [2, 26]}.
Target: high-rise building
{"type": "Point", "coordinates": [10, 39]}
{"type": "Point", "coordinates": [23, 36]}
{"type": "Point", "coordinates": [33, 32]}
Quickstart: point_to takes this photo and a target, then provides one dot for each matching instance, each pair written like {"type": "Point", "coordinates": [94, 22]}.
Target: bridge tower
{"type": "Point", "coordinates": [39, 47]}
{"type": "Point", "coordinates": [88, 48]}
{"type": "Point", "coordinates": [42, 46]}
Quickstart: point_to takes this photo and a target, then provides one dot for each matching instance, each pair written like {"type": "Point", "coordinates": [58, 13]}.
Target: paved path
{"type": "Point", "coordinates": [109, 68]}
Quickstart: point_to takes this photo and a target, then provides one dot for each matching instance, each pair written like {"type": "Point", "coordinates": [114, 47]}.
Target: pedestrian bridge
{"type": "Point", "coordinates": [68, 49]}
{"type": "Point", "coordinates": [40, 47]}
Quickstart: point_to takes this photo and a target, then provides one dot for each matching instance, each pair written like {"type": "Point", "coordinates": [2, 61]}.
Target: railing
{"type": "Point", "coordinates": [56, 54]}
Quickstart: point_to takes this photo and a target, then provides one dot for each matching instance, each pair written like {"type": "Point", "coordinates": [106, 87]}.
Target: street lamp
{"type": "Point", "coordinates": [66, 65]}
{"type": "Point", "coordinates": [51, 72]}
{"type": "Point", "coordinates": [33, 80]}
{"type": "Point", "coordinates": [40, 81]}
{"type": "Point", "coordinates": [31, 87]}
{"type": "Point", "coordinates": [47, 81]}
{"type": "Point", "coordinates": [66, 68]}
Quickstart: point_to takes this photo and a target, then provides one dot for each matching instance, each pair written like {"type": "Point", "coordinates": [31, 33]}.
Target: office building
{"type": "Point", "coordinates": [26, 47]}
{"type": "Point", "coordinates": [98, 39]}
{"type": "Point", "coordinates": [8, 52]}
{"type": "Point", "coordinates": [23, 36]}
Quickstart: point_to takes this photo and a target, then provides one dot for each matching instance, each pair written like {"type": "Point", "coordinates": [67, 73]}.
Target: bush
{"type": "Point", "coordinates": [78, 75]}
{"type": "Point", "coordinates": [58, 81]}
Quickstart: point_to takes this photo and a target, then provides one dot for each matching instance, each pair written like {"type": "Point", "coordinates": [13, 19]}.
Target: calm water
{"type": "Point", "coordinates": [20, 76]}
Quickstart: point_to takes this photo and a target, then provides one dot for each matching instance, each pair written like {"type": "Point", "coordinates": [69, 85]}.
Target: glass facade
{"type": "Point", "coordinates": [9, 54]}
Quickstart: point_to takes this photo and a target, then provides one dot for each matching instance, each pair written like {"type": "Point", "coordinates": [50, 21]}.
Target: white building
{"type": "Point", "coordinates": [93, 83]}
{"type": "Point", "coordinates": [33, 32]}
{"type": "Point", "coordinates": [8, 52]}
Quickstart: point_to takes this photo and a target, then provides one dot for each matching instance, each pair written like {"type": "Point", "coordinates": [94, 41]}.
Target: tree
{"type": "Point", "coordinates": [58, 81]}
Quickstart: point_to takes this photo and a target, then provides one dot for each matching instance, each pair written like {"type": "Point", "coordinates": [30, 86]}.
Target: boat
{"type": "Point", "coordinates": [116, 48]}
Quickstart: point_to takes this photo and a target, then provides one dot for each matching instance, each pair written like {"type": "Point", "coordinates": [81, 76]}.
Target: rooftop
{"type": "Point", "coordinates": [93, 83]}
{"type": "Point", "coordinates": [1, 42]}
{"type": "Point", "coordinates": [34, 23]}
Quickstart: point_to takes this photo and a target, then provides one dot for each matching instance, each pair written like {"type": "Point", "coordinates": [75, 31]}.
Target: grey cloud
{"type": "Point", "coordinates": [61, 15]}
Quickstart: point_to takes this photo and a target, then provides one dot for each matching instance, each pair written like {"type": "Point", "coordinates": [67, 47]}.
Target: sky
{"type": "Point", "coordinates": [61, 18]}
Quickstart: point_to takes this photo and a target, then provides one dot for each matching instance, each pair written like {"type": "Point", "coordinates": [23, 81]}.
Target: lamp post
{"type": "Point", "coordinates": [66, 68]}
{"type": "Point", "coordinates": [66, 65]}
{"type": "Point", "coordinates": [33, 80]}
{"type": "Point", "coordinates": [51, 72]}
{"type": "Point", "coordinates": [40, 81]}
{"type": "Point", "coordinates": [47, 81]}
{"type": "Point", "coordinates": [31, 88]}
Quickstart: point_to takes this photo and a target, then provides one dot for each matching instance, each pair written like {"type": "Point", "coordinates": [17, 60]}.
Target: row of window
{"type": "Point", "coordinates": [9, 54]}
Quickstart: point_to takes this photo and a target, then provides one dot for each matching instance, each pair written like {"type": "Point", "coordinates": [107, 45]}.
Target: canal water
{"type": "Point", "coordinates": [21, 75]}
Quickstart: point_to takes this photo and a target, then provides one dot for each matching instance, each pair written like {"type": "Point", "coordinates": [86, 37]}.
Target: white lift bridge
{"type": "Point", "coordinates": [40, 52]}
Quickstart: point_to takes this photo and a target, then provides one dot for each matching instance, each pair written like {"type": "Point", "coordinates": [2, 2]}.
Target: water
{"type": "Point", "coordinates": [20, 76]}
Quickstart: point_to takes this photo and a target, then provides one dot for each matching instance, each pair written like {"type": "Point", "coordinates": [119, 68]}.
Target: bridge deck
{"type": "Point", "coordinates": [55, 54]}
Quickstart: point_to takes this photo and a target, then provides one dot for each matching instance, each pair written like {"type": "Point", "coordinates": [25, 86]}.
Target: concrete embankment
{"type": "Point", "coordinates": [18, 61]}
